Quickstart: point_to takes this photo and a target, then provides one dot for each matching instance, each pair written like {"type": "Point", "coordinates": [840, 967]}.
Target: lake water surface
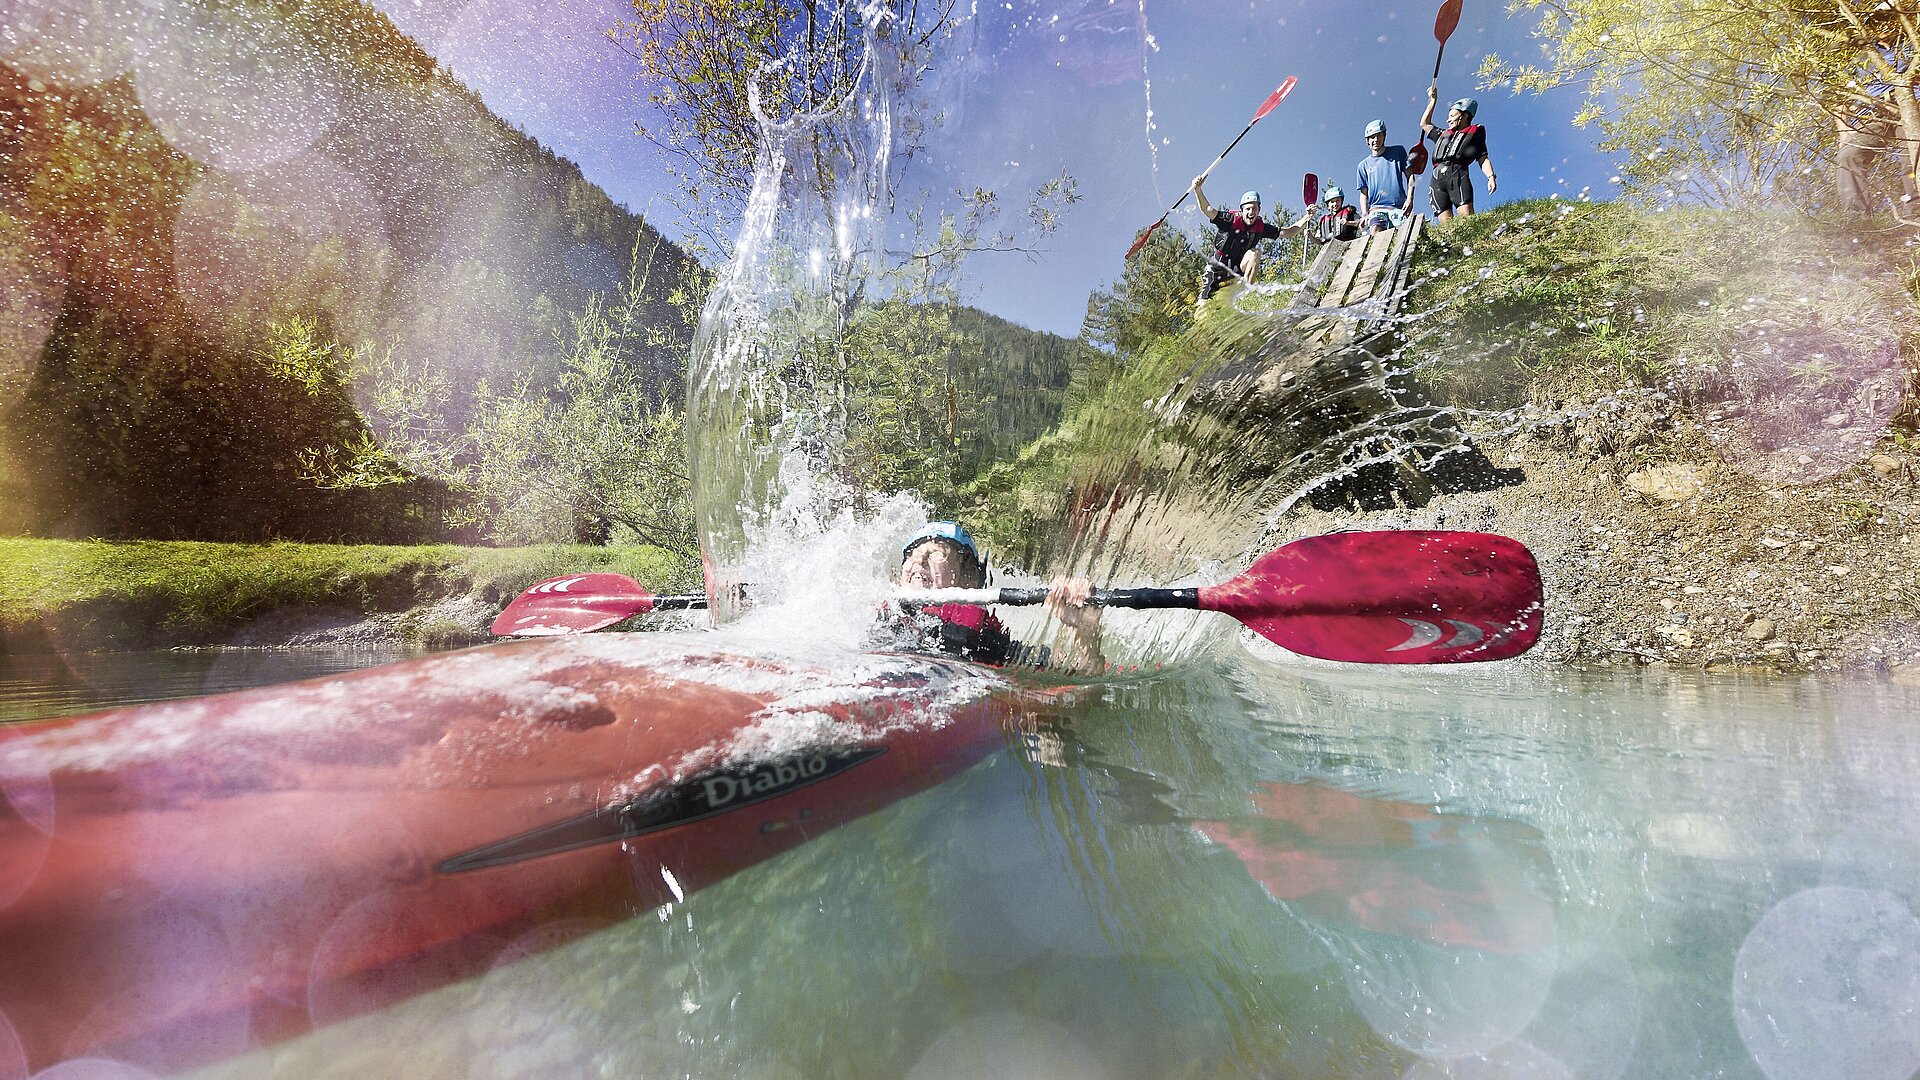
{"type": "Point", "coordinates": [1247, 867]}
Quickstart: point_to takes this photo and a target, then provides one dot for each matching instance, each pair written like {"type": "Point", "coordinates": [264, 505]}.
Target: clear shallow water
{"type": "Point", "coordinates": [1246, 868]}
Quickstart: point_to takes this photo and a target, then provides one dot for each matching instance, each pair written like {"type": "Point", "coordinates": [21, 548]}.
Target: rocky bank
{"type": "Point", "coordinates": [1655, 549]}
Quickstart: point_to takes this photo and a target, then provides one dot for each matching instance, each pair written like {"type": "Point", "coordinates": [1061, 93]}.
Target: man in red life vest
{"type": "Point", "coordinates": [942, 555]}
{"type": "Point", "coordinates": [1237, 252]}
{"type": "Point", "coordinates": [1461, 144]}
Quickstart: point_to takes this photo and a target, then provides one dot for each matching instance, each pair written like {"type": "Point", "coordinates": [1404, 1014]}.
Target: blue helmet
{"type": "Point", "coordinates": [1249, 197]}
{"type": "Point", "coordinates": [1466, 105]}
{"type": "Point", "coordinates": [1376, 127]}
{"type": "Point", "coordinates": [951, 531]}
{"type": "Point", "coordinates": [1331, 193]}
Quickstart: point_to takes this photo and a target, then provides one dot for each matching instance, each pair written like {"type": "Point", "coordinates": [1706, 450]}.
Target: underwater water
{"type": "Point", "coordinates": [1252, 866]}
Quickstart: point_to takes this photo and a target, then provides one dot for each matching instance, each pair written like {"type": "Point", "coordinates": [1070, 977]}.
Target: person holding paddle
{"type": "Point", "coordinates": [1460, 144]}
{"type": "Point", "coordinates": [1381, 179]}
{"type": "Point", "coordinates": [943, 555]}
{"type": "Point", "coordinates": [1236, 253]}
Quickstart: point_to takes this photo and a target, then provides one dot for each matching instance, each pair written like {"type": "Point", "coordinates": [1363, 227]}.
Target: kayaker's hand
{"type": "Point", "coordinates": [1199, 182]}
{"type": "Point", "coordinates": [1067, 603]}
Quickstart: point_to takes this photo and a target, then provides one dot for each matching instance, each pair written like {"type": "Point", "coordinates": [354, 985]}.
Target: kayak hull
{"type": "Point", "coordinates": [180, 882]}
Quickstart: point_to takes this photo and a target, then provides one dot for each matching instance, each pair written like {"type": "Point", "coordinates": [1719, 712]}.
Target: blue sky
{"type": "Point", "coordinates": [1066, 84]}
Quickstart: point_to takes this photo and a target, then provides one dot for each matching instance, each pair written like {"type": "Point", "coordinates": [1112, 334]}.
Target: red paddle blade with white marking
{"type": "Point", "coordinates": [1400, 597]}
{"type": "Point", "coordinates": [573, 605]}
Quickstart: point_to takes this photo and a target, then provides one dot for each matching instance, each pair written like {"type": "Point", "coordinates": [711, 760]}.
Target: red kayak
{"type": "Point", "coordinates": [183, 881]}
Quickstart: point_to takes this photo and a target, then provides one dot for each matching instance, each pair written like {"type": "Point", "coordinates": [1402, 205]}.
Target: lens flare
{"type": "Point", "coordinates": [172, 961]}
{"type": "Point", "coordinates": [537, 63]}
{"type": "Point", "coordinates": [26, 810]}
{"type": "Point", "coordinates": [70, 42]}
{"type": "Point", "coordinates": [1803, 405]}
{"type": "Point", "coordinates": [1827, 984]}
{"type": "Point", "coordinates": [1511, 1061]}
{"type": "Point", "coordinates": [301, 227]}
{"type": "Point", "coordinates": [13, 1056]}
{"type": "Point", "coordinates": [1008, 1045]}
{"type": "Point", "coordinates": [231, 91]}
{"type": "Point", "coordinates": [95, 1069]}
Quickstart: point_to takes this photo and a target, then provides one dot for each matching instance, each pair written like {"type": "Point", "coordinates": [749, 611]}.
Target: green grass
{"type": "Point", "coordinates": [188, 583]}
{"type": "Point", "coordinates": [1552, 298]}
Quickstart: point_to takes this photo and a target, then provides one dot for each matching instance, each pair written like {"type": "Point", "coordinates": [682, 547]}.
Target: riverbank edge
{"type": "Point", "coordinates": [1671, 557]}
{"type": "Point", "coordinates": [65, 596]}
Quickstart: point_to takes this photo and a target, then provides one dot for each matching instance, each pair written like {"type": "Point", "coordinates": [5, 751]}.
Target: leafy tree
{"type": "Point", "coordinates": [1154, 297]}
{"type": "Point", "coordinates": [597, 456]}
{"type": "Point", "coordinates": [1728, 99]}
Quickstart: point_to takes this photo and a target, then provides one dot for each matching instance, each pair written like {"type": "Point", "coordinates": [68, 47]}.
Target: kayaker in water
{"type": "Point", "coordinates": [943, 555]}
{"type": "Point", "coordinates": [1237, 252]}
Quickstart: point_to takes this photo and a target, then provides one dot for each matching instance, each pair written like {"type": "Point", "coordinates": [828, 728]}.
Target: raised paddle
{"type": "Point", "coordinates": [582, 602]}
{"type": "Point", "coordinates": [1444, 22]}
{"type": "Point", "coordinates": [1398, 597]}
{"type": "Point", "coordinates": [1279, 94]}
{"type": "Point", "coordinates": [1310, 190]}
{"type": "Point", "coordinates": [1443, 25]}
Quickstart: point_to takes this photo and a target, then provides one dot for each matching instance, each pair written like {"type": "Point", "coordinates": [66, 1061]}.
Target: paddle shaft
{"type": "Point", "coordinates": [1279, 94]}
{"type": "Point", "coordinates": [689, 602]}
{"type": "Point", "coordinates": [1126, 598]}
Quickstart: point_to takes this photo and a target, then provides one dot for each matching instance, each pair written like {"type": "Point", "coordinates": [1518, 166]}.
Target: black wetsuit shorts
{"type": "Point", "coordinates": [1452, 188]}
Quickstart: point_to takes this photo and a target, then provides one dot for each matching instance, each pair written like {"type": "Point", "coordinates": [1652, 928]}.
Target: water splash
{"type": "Point", "coordinates": [235, 92]}
{"type": "Point", "coordinates": [767, 374]}
{"type": "Point", "coordinates": [32, 291]}
{"type": "Point", "coordinates": [71, 42]}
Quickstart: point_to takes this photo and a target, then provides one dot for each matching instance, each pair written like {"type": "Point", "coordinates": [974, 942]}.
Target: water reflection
{"type": "Point", "coordinates": [34, 685]}
{"type": "Point", "coordinates": [1243, 869]}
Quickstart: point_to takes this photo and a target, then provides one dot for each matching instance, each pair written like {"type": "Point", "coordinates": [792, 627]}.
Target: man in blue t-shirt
{"type": "Point", "coordinates": [1385, 196]}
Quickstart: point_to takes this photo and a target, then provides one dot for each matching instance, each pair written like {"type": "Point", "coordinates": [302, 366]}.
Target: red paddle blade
{"type": "Point", "coordinates": [1279, 95]}
{"type": "Point", "coordinates": [1402, 597]}
{"type": "Point", "coordinates": [1446, 20]}
{"type": "Point", "coordinates": [573, 605]}
{"type": "Point", "coordinates": [1310, 190]}
{"type": "Point", "coordinates": [1417, 160]}
{"type": "Point", "coordinates": [1141, 241]}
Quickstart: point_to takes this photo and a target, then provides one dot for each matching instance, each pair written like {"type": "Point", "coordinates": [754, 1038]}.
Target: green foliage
{"type": "Point", "coordinates": [215, 585]}
{"type": "Point", "coordinates": [712, 63]}
{"type": "Point", "coordinates": [1725, 100]}
{"type": "Point", "coordinates": [172, 402]}
{"type": "Point", "coordinates": [939, 392]}
{"type": "Point", "coordinates": [598, 455]}
{"type": "Point", "coordinates": [1546, 298]}
{"type": "Point", "coordinates": [1155, 295]}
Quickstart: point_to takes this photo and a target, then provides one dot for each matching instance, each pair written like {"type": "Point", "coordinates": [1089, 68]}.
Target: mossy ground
{"type": "Point", "coordinates": [186, 592]}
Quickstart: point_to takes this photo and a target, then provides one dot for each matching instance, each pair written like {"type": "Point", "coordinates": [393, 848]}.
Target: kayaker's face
{"type": "Point", "coordinates": [1457, 119]}
{"type": "Point", "coordinates": [1250, 211]}
{"type": "Point", "coordinates": [935, 564]}
{"type": "Point", "coordinates": [1377, 142]}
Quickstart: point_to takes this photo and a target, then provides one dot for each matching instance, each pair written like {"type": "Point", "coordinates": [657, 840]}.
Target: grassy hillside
{"type": "Point", "coordinates": [1796, 337]}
